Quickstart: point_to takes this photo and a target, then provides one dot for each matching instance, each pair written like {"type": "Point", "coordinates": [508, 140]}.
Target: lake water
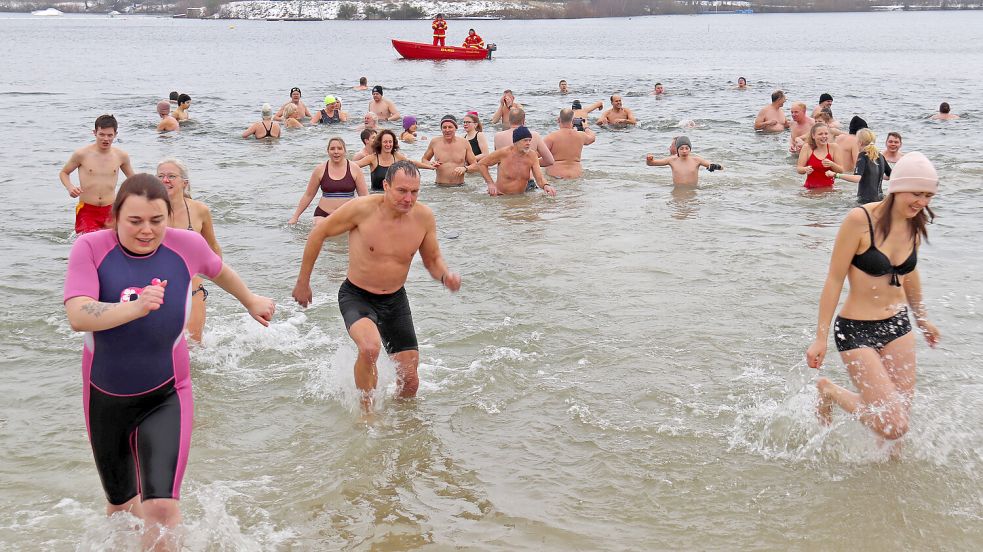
{"type": "Point", "coordinates": [623, 367]}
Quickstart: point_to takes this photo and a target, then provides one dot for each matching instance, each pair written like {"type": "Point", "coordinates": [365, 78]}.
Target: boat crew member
{"type": "Point", "coordinates": [473, 40]}
{"type": "Point", "coordinates": [439, 30]}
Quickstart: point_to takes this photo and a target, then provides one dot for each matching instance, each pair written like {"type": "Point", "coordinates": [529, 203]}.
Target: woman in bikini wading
{"type": "Point", "coordinates": [876, 249]}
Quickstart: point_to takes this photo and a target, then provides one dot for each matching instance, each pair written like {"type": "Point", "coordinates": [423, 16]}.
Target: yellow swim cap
{"type": "Point", "coordinates": [328, 100]}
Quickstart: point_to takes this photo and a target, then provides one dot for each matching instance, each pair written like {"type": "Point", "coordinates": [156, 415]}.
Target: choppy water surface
{"type": "Point", "coordinates": [622, 369]}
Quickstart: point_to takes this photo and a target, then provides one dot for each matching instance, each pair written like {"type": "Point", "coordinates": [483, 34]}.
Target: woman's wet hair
{"type": "Point", "coordinates": [377, 144]}
{"type": "Point", "coordinates": [143, 185]}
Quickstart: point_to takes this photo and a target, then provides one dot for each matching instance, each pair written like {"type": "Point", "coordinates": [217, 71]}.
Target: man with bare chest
{"type": "Point", "coordinates": [383, 108]}
{"type": "Point", "coordinates": [384, 233]}
{"type": "Point", "coordinates": [514, 164]}
{"type": "Point", "coordinates": [772, 118]}
{"type": "Point", "coordinates": [451, 154]}
{"type": "Point", "coordinates": [99, 165]}
{"type": "Point", "coordinates": [567, 144]}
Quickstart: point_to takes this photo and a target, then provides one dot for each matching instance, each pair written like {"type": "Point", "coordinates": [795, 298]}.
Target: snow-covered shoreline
{"type": "Point", "coordinates": [321, 9]}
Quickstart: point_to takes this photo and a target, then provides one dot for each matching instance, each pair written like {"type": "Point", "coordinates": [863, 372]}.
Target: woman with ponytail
{"type": "Point", "coordinates": [870, 170]}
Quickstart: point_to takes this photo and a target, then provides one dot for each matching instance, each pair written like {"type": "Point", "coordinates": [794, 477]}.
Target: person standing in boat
{"type": "Point", "coordinates": [439, 30]}
{"type": "Point", "coordinates": [473, 40]}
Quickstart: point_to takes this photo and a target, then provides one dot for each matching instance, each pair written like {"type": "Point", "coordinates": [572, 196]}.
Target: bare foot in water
{"type": "Point", "coordinates": [824, 409]}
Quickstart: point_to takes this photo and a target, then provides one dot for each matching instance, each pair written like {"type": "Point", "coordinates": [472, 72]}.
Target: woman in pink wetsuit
{"type": "Point", "coordinates": [135, 366]}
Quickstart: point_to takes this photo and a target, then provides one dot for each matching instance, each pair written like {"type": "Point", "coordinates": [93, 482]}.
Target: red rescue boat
{"type": "Point", "coordinates": [420, 50]}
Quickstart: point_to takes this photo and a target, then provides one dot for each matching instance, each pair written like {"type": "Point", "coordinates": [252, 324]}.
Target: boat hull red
{"type": "Point", "coordinates": [419, 50]}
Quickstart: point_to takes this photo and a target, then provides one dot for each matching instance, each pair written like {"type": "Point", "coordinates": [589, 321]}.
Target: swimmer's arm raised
{"type": "Point", "coordinates": [651, 161]}
{"type": "Point", "coordinates": [589, 136]}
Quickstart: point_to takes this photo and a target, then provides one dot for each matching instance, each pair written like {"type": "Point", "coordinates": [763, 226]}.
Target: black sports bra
{"type": "Point", "coordinates": [876, 263]}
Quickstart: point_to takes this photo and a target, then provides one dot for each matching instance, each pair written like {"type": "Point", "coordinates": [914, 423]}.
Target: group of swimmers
{"type": "Point", "coordinates": [150, 237]}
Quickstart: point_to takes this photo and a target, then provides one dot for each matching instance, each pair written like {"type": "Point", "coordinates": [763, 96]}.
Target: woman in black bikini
{"type": "Point", "coordinates": [877, 250]}
{"type": "Point", "coordinates": [188, 214]}
{"type": "Point", "coordinates": [385, 152]}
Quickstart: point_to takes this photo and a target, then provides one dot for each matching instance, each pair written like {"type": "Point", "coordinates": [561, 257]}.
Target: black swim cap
{"type": "Point", "coordinates": [856, 123]}
{"type": "Point", "coordinates": [825, 97]}
{"type": "Point", "coordinates": [577, 105]}
{"type": "Point", "coordinates": [377, 88]}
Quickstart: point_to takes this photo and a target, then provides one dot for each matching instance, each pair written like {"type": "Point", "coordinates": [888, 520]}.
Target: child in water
{"type": "Point", "coordinates": [685, 167]}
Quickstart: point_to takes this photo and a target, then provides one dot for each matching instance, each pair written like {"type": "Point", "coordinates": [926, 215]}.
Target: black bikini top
{"type": "Point", "coordinates": [876, 263]}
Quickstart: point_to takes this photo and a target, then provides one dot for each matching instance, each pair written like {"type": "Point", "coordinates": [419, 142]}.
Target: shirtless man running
{"type": "Point", "coordinates": [772, 118]}
{"type": "Point", "coordinates": [385, 231]}
{"type": "Point", "coordinates": [567, 144]}
{"type": "Point", "coordinates": [801, 123]}
{"type": "Point", "coordinates": [383, 108]}
{"type": "Point", "coordinates": [618, 115]}
{"type": "Point", "coordinates": [514, 165]}
{"type": "Point", "coordinates": [99, 165]}
{"type": "Point", "coordinates": [451, 154]}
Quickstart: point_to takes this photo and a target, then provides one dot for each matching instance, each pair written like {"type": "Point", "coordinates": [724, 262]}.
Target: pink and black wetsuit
{"type": "Point", "coordinates": [136, 377]}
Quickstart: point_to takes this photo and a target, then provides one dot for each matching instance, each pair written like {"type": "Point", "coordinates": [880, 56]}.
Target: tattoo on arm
{"type": "Point", "coordinates": [96, 308]}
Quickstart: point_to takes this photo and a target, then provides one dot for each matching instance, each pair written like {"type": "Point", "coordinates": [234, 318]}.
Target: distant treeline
{"type": "Point", "coordinates": [538, 9]}
{"type": "Point", "coordinates": [627, 8]}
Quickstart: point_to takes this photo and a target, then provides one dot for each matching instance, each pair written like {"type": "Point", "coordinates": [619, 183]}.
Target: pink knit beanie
{"type": "Point", "coordinates": [913, 173]}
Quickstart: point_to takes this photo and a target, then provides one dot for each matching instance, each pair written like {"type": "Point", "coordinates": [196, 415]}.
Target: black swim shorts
{"type": "Point", "coordinates": [390, 312]}
{"type": "Point", "coordinates": [870, 334]}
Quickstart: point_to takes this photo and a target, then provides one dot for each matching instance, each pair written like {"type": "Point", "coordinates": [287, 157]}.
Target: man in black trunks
{"type": "Point", "coordinates": [385, 231]}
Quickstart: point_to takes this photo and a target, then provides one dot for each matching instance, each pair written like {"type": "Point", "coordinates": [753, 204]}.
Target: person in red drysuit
{"type": "Point", "coordinates": [473, 40]}
{"type": "Point", "coordinates": [439, 30]}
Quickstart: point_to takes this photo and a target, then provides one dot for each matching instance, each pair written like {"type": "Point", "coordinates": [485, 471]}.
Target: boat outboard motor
{"type": "Point", "coordinates": [491, 47]}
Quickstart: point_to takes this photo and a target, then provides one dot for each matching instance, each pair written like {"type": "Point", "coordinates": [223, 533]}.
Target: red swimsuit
{"type": "Point", "coordinates": [817, 178]}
